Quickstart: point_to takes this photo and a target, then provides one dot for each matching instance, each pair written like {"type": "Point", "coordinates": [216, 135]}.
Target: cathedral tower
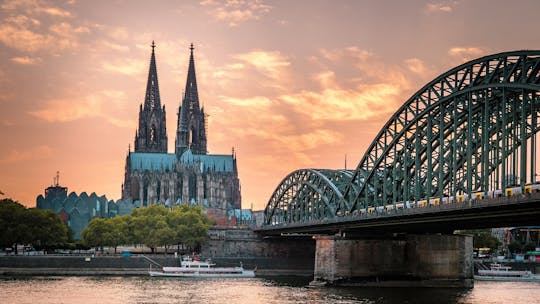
{"type": "Point", "coordinates": [191, 133]}
{"type": "Point", "coordinates": [152, 134]}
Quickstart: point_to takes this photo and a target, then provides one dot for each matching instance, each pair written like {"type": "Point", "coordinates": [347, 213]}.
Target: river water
{"type": "Point", "coordinates": [105, 290]}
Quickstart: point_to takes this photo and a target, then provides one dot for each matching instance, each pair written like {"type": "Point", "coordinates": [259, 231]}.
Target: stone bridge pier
{"type": "Point", "coordinates": [403, 260]}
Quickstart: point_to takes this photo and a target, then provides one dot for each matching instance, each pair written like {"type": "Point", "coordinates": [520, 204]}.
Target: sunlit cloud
{"type": "Point", "coordinates": [467, 53]}
{"type": "Point", "coordinates": [270, 64]}
{"type": "Point", "coordinates": [257, 101]}
{"type": "Point", "coordinates": [23, 39]}
{"type": "Point", "coordinates": [346, 104]}
{"type": "Point", "coordinates": [55, 11]}
{"type": "Point", "coordinates": [416, 66]}
{"type": "Point", "coordinates": [35, 26]}
{"type": "Point", "coordinates": [35, 8]}
{"type": "Point", "coordinates": [235, 12]}
{"type": "Point", "coordinates": [126, 66]}
{"type": "Point", "coordinates": [93, 105]}
{"type": "Point", "coordinates": [32, 153]}
{"type": "Point", "coordinates": [431, 7]}
{"type": "Point", "coordinates": [113, 46]}
{"type": "Point", "coordinates": [26, 60]}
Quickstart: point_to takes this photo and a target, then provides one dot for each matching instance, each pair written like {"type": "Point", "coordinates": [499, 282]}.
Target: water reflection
{"type": "Point", "coordinates": [105, 290]}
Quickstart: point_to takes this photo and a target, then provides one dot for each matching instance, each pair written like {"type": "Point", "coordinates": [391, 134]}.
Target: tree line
{"type": "Point", "coordinates": [153, 226]}
{"type": "Point", "coordinates": [42, 229]}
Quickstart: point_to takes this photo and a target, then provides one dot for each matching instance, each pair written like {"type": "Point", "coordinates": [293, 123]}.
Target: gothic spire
{"type": "Point", "coordinates": [151, 135]}
{"type": "Point", "coordinates": [152, 100]}
{"type": "Point", "coordinates": [191, 132]}
{"type": "Point", "coordinates": [191, 92]}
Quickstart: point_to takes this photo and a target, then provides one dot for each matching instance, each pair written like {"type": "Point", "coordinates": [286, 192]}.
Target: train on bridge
{"type": "Point", "coordinates": [459, 198]}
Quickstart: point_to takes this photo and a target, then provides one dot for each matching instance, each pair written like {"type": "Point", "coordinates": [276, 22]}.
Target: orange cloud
{"type": "Point", "coordinates": [33, 153]}
{"type": "Point", "coordinates": [25, 60]}
{"type": "Point", "coordinates": [270, 64]}
{"type": "Point", "coordinates": [24, 39]}
{"type": "Point", "coordinates": [467, 53]}
{"type": "Point", "coordinates": [24, 29]}
{"type": "Point", "coordinates": [415, 65]}
{"type": "Point", "coordinates": [438, 7]}
{"type": "Point", "coordinates": [235, 12]}
{"type": "Point", "coordinates": [346, 104]}
{"type": "Point", "coordinates": [126, 66]}
{"type": "Point", "coordinates": [256, 101]}
{"type": "Point", "coordinates": [94, 105]}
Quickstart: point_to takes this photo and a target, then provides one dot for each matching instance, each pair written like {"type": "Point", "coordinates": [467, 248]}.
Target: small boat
{"type": "Point", "coordinates": [498, 272]}
{"type": "Point", "coordinates": [195, 268]}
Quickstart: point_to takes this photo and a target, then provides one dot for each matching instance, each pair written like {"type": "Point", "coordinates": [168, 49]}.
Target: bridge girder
{"type": "Point", "coordinates": [472, 129]}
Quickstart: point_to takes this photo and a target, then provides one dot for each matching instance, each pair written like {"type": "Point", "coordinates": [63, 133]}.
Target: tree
{"type": "Point", "coordinates": [149, 225]}
{"type": "Point", "coordinates": [11, 220]}
{"type": "Point", "coordinates": [46, 228]}
{"type": "Point", "coordinates": [97, 233]}
{"type": "Point", "coordinates": [190, 225]}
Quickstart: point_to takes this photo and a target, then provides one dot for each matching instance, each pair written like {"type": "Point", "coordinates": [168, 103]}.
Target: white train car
{"type": "Point", "coordinates": [531, 188]}
{"type": "Point", "coordinates": [495, 193]}
{"type": "Point", "coordinates": [510, 191]}
{"type": "Point", "coordinates": [447, 200]}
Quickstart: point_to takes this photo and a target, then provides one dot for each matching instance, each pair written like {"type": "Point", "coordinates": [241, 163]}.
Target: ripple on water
{"type": "Point", "coordinates": [108, 290]}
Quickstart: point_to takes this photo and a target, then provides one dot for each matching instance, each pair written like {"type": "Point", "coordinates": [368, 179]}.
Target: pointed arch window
{"type": "Point", "coordinates": [153, 134]}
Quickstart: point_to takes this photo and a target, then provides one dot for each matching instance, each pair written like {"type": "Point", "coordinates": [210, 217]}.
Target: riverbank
{"type": "Point", "coordinates": [137, 265]}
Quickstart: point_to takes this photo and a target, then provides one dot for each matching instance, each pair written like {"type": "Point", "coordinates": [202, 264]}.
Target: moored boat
{"type": "Point", "coordinates": [498, 272]}
{"type": "Point", "coordinates": [194, 268]}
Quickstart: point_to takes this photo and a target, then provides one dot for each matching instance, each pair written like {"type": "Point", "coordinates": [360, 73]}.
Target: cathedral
{"type": "Point", "coordinates": [189, 175]}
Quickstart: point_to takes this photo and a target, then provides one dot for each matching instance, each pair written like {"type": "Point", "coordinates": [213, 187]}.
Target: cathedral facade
{"type": "Point", "coordinates": [189, 175]}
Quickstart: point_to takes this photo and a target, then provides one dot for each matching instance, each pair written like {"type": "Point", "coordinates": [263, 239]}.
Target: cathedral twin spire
{"type": "Point", "coordinates": [191, 133]}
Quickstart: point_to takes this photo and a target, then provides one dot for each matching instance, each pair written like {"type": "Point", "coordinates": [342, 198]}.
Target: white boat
{"type": "Point", "coordinates": [497, 272]}
{"type": "Point", "coordinates": [194, 268]}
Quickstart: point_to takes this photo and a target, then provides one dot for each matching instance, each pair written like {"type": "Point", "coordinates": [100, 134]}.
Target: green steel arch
{"type": "Point", "coordinates": [307, 195]}
{"type": "Point", "coordinates": [470, 130]}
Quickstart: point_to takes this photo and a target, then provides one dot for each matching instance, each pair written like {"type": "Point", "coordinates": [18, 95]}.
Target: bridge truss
{"type": "Point", "coordinates": [470, 131]}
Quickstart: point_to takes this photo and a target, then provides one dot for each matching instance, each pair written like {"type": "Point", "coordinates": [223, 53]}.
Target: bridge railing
{"type": "Point", "coordinates": [441, 208]}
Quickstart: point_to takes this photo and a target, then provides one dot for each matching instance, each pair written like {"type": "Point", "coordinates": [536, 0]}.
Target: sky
{"type": "Point", "coordinates": [288, 84]}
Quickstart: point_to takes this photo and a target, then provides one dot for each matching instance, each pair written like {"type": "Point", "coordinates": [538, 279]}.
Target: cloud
{"type": "Point", "coordinates": [441, 6]}
{"type": "Point", "coordinates": [366, 102]}
{"type": "Point", "coordinates": [33, 153]}
{"type": "Point", "coordinates": [33, 26]}
{"type": "Point", "coordinates": [93, 105]}
{"type": "Point", "coordinates": [25, 60]}
{"type": "Point", "coordinates": [467, 53]}
{"type": "Point", "coordinates": [55, 11]}
{"type": "Point", "coordinates": [125, 66]}
{"type": "Point", "coordinates": [235, 12]}
{"type": "Point", "coordinates": [24, 39]}
{"type": "Point", "coordinates": [271, 64]}
{"type": "Point", "coordinates": [30, 7]}
{"type": "Point", "coordinates": [113, 46]}
{"type": "Point", "coordinates": [431, 7]}
{"type": "Point", "coordinates": [257, 101]}
{"type": "Point", "coordinates": [416, 66]}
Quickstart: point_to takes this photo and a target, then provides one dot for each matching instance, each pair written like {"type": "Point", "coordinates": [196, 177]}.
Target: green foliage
{"type": "Point", "coordinates": [482, 238]}
{"type": "Point", "coordinates": [518, 247]}
{"type": "Point", "coordinates": [153, 226]}
{"type": "Point", "coordinates": [486, 241]}
{"type": "Point", "coordinates": [40, 228]}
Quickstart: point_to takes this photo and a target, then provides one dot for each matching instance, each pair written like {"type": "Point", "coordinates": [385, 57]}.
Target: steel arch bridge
{"type": "Point", "coordinates": [468, 134]}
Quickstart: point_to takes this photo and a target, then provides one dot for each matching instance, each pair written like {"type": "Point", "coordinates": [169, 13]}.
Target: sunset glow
{"type": "Point", "coordinates": [288, 84]}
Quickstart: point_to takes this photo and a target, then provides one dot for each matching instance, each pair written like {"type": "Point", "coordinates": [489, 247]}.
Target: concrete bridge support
{"type": "Point", "coordinates": [408, 260]}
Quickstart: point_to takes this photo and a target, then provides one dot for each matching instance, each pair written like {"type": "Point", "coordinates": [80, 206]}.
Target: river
{"type": "Point", "coordinates": [105, 290]}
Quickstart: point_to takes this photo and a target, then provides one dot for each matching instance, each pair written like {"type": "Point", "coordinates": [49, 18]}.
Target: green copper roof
{"type": "Point", "coordinates": [217, 163]}
{"type": "Point", "coordinates": [151, 161]}
{"type": "Point", "coordinates": [166, 161]}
